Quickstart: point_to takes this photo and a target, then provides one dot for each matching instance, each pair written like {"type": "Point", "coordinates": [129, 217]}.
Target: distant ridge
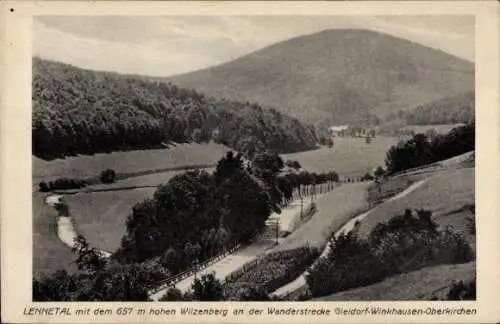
{"type": "Point", "coordinates": [337, 76]}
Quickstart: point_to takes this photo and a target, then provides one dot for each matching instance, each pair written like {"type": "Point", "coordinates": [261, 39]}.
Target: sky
{"type": "Point", "coordinates": [169, 45]}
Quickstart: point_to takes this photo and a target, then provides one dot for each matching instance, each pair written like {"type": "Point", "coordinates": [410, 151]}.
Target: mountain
{"type": "Point", "coordinates": [337, 76]}
{"type": "Point", "coordinates": [77, 111]}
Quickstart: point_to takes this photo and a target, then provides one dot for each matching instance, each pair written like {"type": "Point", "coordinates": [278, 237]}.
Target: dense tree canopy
{"type": "Point", "coordinates": [421, 150]}
{"type": "Point", "coordinates": [78, 111]}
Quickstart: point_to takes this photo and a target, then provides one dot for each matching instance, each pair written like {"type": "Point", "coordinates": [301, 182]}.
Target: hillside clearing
{"type": "Point", "coordinates": [84, 166]}
{"type": "Point", "coordinates": [348, 157]}
{"type": "Point", "coordinates": [442, 193]}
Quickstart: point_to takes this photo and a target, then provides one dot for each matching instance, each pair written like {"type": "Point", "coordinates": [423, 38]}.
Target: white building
{"type": "Point", "coordinates": [336, 130]}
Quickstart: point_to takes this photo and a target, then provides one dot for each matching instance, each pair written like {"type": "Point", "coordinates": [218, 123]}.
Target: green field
{"type": "Point", "coordinates": [416, 285]}
{"type": "Point", "coordinates": [349, 156]}
{"type": "Point", "coordinates": [131, 161]}
{"type": "Point", "coordinates": [49, 253]}
{"type": "Point", "coordinates": [334, 210]}
{"type": "Point", "coordinates": [100, 216]}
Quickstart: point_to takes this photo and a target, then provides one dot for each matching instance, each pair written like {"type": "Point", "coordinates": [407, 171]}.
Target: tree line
{"type": "Point", "coordinates": [453, 110]}
{"type": "Point", "coordinates": [78, 111]}
{"type": "Point", "coordinates": [421, 149]}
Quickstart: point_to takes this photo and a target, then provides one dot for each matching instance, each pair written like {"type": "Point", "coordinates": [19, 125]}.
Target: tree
{"type": "Point", "coordinates": [108, 176]}
{"type": "Point", "coordinates": [379, 172]}
{"type": "Point", "coordinates": [330, 142]}
{"type": "Point", "coordinates": [172, 294]}
{"type": "Point", "coordinates": [44, 187]}
{"type": "Point", "coordinates": [89, 260]}
{"type": "Point", "coordinates": [208, 288]}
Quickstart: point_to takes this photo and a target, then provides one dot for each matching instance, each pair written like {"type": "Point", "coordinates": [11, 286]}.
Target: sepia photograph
{"type": "Point", "coordinates": [253, 158]}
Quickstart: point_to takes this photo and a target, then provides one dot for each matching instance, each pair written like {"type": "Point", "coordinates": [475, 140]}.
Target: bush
{"type": "Point", "coordinates": [108, 176]}
{"type": "Point", "coordinates": [367, 177]}
{"type": "Point", "coordinates": [62, 184]}
{"type": "Point", "coordinates": [208, 288]}
{"type": "Point", "coordinates": [462, 291]}
{"type": "Point", "coordinates": [406, 243]}
{"type": "Point", "coordinates": [269, 273]}
{"type": "Point", "coordinates": [44, 187]}
{"type": "Point", "coordinates": [172, 294]}
{"type": "Point", "coordinates": [349, 264]}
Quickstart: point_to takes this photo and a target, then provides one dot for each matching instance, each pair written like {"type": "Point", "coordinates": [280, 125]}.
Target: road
{"type": "Point", "coordinates": [236, 260]}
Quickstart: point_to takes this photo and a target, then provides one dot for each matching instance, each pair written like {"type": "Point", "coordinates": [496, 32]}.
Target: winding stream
{"type": "Point", "coordinates": [66, 231]}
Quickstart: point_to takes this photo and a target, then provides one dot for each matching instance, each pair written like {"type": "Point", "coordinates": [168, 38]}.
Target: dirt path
{"type": "Point", "coordinates": [300, 282]}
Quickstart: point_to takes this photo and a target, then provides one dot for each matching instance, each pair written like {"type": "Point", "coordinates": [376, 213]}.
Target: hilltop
{"type": "Point", "coordinates": [338, 75]}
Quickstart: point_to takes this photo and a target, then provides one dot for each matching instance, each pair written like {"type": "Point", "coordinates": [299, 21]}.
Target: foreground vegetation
{"type": "Point", "coordinates": [407, 242]}
{"type": "Point", "coordinates": [269, 272]}
{"type": "Point", "coordinates": [421, 150]}
{"type": "Point", "coordinates": [197, 215]}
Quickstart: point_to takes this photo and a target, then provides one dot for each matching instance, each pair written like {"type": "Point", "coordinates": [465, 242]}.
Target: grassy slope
{"type": "Point", "coordinates": [349, 156]}
{"type": "Point", "coordinates": [49, 253]}
{"type": "Point", "coordinates": [416, 285]}
{"type": "Point", "coordinates": [131, 161]}
{"type": "Point", "coordinates": [334, 210]}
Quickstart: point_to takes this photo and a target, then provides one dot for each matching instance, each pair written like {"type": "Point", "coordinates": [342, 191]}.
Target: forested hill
{"type": "Point", "coordinates": [452, 110]}
{"type": "Point", "coordinates": [78, 111]}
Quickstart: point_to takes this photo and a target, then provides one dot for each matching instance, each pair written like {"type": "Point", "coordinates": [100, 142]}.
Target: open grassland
{"type": "Point", "coordinates": [349, 156]}
{"type": "Point", "coordinates": [84, 166]}
{"type": "Point", "coordinates": [49, 253]}
{"type": "Point", "coordinates": [444, 192]}
{"type": "Point", "coordinates": [416, 285]}
{"type": "Point", "coordinates": [334, 210]}
{"type": "Point", "coordinates": [100, 216]}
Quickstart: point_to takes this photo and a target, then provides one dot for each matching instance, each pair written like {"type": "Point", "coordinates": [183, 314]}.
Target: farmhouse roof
{"type": "Point", "coordinates": [338, 128]}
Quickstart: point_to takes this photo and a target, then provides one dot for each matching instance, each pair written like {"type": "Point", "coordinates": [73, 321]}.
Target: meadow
{"type": "Point", "coordinates": [100, 216]}
{"type": "Point", "coordinates": [349, 156]}
{"type": "Point", "coordinates": [86, 166]}
{"type": "Point", "coordinates": [443, 193]}
{"type": "Point", "coordinates": [49, 253]}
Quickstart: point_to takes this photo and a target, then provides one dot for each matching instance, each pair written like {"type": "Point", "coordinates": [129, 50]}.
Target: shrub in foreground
{"type": "Point", "coordinates": [108, 176]}
{"type": "Point", "coordinates": [406, 243]}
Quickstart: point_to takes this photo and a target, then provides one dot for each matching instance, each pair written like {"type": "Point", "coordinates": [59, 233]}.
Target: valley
{"type": "Point", "coordinates": [338, 165]}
